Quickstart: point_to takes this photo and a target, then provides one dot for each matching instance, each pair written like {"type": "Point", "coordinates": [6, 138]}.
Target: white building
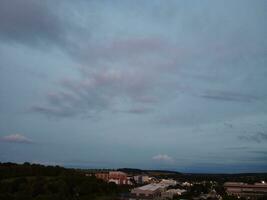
{"type": "Point", "coordinates": [170, 193]}
{"type": "Point", "coordinates": [168, 182]}
{"type": "Point", "coordinates": [186, 184]}
{"type": "Point", "coordinates": [150, 191]}
{"type": "Point", "coordinates": [140, 179]}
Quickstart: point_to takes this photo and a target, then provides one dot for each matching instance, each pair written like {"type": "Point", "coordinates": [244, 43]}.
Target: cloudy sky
{"type": "Point", "coordinates": [178, 85]}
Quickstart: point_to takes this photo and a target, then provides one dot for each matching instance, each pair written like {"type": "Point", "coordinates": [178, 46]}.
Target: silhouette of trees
{"type": "Point", "coordinates": [38, 182]}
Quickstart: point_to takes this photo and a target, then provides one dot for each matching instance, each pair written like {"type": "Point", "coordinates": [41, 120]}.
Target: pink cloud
{"type": "Point", "coordinates": [16, 138]}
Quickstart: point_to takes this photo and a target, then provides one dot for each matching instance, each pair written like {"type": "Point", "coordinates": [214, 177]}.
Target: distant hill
{"type": "Point", "coordinates": [240, 177]}
{"type": "Point", "coordinates": [141, 171]}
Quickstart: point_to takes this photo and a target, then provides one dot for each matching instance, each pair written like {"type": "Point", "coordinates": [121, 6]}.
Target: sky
{"type": "Point", "coordinates": [177, 85]}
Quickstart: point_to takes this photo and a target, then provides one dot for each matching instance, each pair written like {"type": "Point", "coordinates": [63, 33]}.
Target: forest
{"type": "Point", "coordinates": [38, 182]}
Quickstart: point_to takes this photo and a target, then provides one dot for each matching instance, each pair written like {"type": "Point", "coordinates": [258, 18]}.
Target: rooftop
{"type": "Point", "coordinates": [151, 187]}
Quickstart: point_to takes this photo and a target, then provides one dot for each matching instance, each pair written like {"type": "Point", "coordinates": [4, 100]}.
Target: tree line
{"type": "Point", "coordinates": [38, 182]}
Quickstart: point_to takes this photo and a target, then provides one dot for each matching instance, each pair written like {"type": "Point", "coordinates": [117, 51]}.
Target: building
{"type": "Point", "coordinates": [150, 191]}
{"type": "Point", "coordinates": [141, 179]}
{"type": "Point", "coordinates": [117, 177]}
{"type": "Point", "coordinates": [186, 184]}
{"type": "Point", "coordinates": [168, 182]}
{"type": "Point", "coordinates": [102, 175]}
{"type": "Point", "coordinates": [211, 195]}
{"type": "Point", "coordinates": [251, 191]}
{"type": "Point", "coordinates": [170, 193]}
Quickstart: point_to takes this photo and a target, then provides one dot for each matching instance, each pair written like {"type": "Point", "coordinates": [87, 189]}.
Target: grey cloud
{"type": "Point", "coordinates": [30, 22]}
{"type": "Point", "coordinates": [53, 111]}
{"type": "Point", "coordinates": [129, 71]}
{"type": "Point", "coordinates": [122, 72]}
{"type": "Point", "coordinates": [257, 137]}
{"type": "Point", "coordinates": [100, 91]}
{"type": "Point", "coordinates": [131, 47]}
{"type": "Point", "coordinates": [229, 125]}
{"type": "Point", "coordinates": [237, 148]}
{"type": "Point", "coordinates": [138, 52]}
{"type": "Point", "coordinates": [83, 103]}
{"type": "Point", "coordinates": [258, 155]}
{"type": "Point", "coordinates": [264, 153]}
{"type": "Point", "coordinates": [139, 110]}
{"type": "Point", "coordinates": [227, 96]}
{"type": "Point", "coordinates": [220, 95]}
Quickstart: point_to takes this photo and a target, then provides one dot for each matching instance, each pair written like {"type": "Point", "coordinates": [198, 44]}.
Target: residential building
{"type": "Point", "coordinates": [168, 182]}
{"type": "Point", "coordinates": [117, 177]}
{"type": "Point", "coordinates": [141, 179]}
{"type": "Point", "coordinates": [246, 190]}
{"type": "Point", "coordinates": [103, 175]}
{"type": "Point", "coordinates": [150, 191]}
{"type": "Point", "coordinates": [169, 194]}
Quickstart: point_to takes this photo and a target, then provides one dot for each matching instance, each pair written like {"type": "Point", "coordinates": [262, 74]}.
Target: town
{"type": "Point", "coordinates": [144, 187]}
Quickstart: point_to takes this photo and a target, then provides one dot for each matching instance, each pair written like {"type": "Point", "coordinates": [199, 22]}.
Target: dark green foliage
{"type": "Point", "coordinates": [263, 197]}
{"type": "Point", "coordinates": [230, 197]}
{"type": "Point", "coordinates": [38, 182]}
{"type": "Point", "coordinates": [8, 170]}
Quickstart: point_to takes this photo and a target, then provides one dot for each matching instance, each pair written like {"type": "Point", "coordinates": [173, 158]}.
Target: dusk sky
{"type": "Point", "coordinates": [178, 85]}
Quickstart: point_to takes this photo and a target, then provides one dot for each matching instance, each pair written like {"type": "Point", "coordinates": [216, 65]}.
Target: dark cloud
{"type": "Point", "coordinates": [237, 148]}
{"type": "Point", "coordinates": [264, 153]}
{"type": "Point", "coordinates": [257, 137]}
{"type": "Point", "coordinates": [139, 110]}
{"type": "Point", "coordinates": [228, 96]}
{"type": "Point", "coordinates": [257, 155]}
{"type": "Point", "coordinates": [64, 104]}
{"type": "Point", "coordinates": [228, 125]}
{"type": "Point", "coordinates": [53, 111]}
{"type": "Point", "coordinates": [30, 22]}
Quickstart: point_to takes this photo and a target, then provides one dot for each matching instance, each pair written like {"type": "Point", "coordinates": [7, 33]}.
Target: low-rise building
{"type": "Point", "coordinates": [141, 179]}
{"type": "Point", "coordinates": [150, 191]}
{"type": "Point", "coordinates": [211, 195]}
{"type": "Point", "coordinates": [186, 184]}
{"type": "Point", "coordinates": [246, 190]}
{"type": "Point", "coordinates": [169, 194]}
{"type": "Point", "coordinates": [168, 182]}
{"type": "Point", "coordinates": [117, 177]}
{"type": "Point", "coordinates": [102, 175]}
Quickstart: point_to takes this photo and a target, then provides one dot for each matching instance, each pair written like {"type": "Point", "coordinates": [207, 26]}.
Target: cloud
{"type": "Point", "coordinates": [117, 74]}
{"type": "Point", "coordinates": [227, 96]}
{"type": "Point", "coordinates": [134, 50]}
{"type": "Point", "coordinates": [219, 94]}
{"type": "Point", "coordinates": [102, 90]}
{"type": "Point", "coordinates": [238, 148]}
{"type": "Point", "coordinates": [257, 137]}
{"type": "Point", "coordinates": [139, 110]}
{"type": "Point", "coordinates": [163, 158]}
{"type": "Point", "coordinates": [264, 153]}
{"type": "Point", "coordinates": [229, 125]}
{"type": "Point", "coordinates": [120, 73]}
{"type": "Point", "coordinates": [53, 111]}
{"type": "Point", "coordinates": [16, 138]}
{"type": "Point", "coordinates": [30, 22]}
